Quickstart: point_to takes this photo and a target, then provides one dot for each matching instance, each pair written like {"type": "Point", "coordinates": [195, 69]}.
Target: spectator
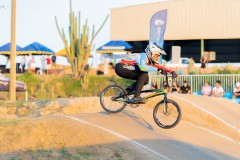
{"type": "Point", "coordinates": [204, 61]}
{"type": "Point", "coordinates": [185, 89]}
{"type": "Point", "coordinates": [236, 90]}
{"type": "Point", "coordinates": [206, 89]}
{"type": "Point", "coordinates": [18, 62]}
{"type": "Point", "coordinates": [43, 64]}
{"type": "Point", "coordinates": [217, 90]}
{"type": "Point", "coordinates": [53, 64]}
{"type": "Point", "coordinates": [31, 65]}
{"type": "Point", "coordinates": [7, 66]}
{"type": "Point", "coordinates": [175, 88]}
{"type": "Point", "coordinates": [165, 86]}
{"type": "Point", "coordinates": [48, 65]}
{"type": "Point", "coordinates": [23, 64]}
{"type": "Point", "coordinates": [154, 85]}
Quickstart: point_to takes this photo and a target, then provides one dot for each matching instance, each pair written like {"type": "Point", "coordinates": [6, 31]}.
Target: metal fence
{"type": "Point", "coordinates": [228, 81]}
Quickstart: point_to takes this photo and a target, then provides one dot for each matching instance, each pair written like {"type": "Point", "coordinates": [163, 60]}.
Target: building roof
{"type": "Point", "coordinates": [187, 19]}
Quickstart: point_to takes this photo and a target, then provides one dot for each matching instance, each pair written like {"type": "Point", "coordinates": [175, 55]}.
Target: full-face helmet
{"type": "Point", "coordinates": [153, 52]}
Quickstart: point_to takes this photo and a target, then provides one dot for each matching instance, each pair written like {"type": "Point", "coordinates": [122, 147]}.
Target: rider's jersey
{"type": "Point", "coordinates": [141, 59]}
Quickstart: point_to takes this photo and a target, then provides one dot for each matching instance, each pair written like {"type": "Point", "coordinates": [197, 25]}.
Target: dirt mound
{"type": "Point", "coordinates": [59, 138]}
{"type": "Point", "coordinates": [35, 130]}
{"type": "Point", "coordinates": [48, 107]}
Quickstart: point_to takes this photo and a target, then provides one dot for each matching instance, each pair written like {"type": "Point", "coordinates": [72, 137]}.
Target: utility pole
{"type": "Point", "coordinates": [12, 88]}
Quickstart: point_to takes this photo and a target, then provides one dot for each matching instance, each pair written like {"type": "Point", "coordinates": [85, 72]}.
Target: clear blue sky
{"type": "Point", "coordinates": [35, 19]}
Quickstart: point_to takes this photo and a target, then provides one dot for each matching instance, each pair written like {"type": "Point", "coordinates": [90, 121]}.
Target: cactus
{"type": "Point", "coordinates": [81, 44]}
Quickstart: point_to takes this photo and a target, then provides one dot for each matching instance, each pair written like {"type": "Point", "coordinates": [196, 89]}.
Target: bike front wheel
{"type": "Point", "coordinates": [112, 97]}
{"type": "Point", "coordinates": [167, 114]}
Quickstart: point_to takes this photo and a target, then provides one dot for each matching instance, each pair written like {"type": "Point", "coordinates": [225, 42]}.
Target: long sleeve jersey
{"type": "Point", "coordinates": [140, 59]}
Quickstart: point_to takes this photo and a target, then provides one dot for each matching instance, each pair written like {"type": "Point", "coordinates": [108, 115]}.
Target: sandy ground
{"type": "Point", "coordinates": [80, 129]}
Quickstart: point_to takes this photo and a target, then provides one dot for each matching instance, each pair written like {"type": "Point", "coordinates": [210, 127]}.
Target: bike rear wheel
{"type": "Point", "coordinates": [167, 115]}
{"type": "Point", "coordinates": [112, 97]}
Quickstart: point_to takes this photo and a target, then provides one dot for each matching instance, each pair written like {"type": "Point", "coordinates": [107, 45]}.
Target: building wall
{"type": "Point", "coordinates": [227, 50]}
{"type": "Point", "coordinates": [187, 19]}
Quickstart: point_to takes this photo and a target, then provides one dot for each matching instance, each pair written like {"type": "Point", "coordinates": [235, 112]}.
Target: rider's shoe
{"type": "Point", "coordinates": [139, 100]}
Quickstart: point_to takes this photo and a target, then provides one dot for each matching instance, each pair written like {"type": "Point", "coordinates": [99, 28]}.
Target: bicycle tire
{"type": "Point", "coordinates": [110, 105]}
{"type": "Point", "coordinates": [158, 110]}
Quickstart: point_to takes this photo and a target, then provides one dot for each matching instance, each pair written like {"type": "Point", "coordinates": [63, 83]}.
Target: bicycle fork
{"type": "Point", "coordinates": [165, 108]}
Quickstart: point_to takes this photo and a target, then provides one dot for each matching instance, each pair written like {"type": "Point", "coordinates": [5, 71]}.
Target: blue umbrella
{"type": "Point", "coordinates": [36, 48]}
{"type": "Point", "coordinates": [5, 49]}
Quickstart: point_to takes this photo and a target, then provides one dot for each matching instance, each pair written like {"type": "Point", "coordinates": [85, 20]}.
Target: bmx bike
{"type": "Point", "coordinates": [166, 113]}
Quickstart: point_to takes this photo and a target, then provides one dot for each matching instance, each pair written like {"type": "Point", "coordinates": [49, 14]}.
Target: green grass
{"type": "Point", "coordinates": [50, 86]}
{"type": "Point", "coordinates": [47, 87]}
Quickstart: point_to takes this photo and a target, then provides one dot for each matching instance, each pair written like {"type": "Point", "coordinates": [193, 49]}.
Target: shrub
{"type": "Point", "coordinates": [227, 69]}
{"type": "Point", "coordinates": [33, 82]}
{"type": "Point", "coordinates": [51, 86]}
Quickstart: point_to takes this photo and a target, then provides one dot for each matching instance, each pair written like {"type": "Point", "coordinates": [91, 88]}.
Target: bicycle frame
{"type": "Point", "coordinates": [157, 92]}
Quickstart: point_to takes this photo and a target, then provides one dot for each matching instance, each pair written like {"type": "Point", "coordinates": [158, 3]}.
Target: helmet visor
{"type": "Point", "coordinates": [163, 52]}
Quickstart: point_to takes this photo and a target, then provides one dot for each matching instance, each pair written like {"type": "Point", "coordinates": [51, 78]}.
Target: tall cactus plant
{"type": "Point", "coordinates": [81, 44]}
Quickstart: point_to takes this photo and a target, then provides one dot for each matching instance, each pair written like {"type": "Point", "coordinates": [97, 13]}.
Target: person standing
{"type": "Point", "coordinates": [7, 66]}
{"type": "Point", "coordinates": [43, 64]}
{"type": "Point", "coordinates": [53, 64]}
{"type": "Point", "coordinates": [23, 64]}
{"type": "Point", "coordinates": [18, 63]}
{"type": "Point", "coordinates": [48, 61]}
{"type": "Point", "coordinates": [204, 61]}
{"type": "Point", "coordinates": [32, 64]}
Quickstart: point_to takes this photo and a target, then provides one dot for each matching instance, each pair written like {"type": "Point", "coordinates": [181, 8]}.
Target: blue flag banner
{"type": "Point", "coordinates": [157, 27]}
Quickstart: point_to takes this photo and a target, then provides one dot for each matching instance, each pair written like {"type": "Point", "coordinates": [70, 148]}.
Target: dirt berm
{"type": "Point", "coordinates": [79, 129]}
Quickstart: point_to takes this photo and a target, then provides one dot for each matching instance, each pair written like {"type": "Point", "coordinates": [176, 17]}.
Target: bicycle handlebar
{"type": "Point", "coordinates": [166, 77]}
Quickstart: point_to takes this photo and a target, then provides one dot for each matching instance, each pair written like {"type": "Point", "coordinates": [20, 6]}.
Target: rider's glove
{"type": "Point", "coordinates": [163, 72]}
{"type": "Point", "coordinates": [174, 74]}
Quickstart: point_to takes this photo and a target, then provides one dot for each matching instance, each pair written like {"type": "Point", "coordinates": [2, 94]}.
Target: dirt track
{"type": "Point", "coordinates": [79, 128]}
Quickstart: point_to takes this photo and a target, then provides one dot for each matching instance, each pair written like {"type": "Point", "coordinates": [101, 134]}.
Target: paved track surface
{"type": "Point", "coordinates": [188, 140]}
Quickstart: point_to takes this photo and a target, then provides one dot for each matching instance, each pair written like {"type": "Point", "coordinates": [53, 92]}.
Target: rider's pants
{"type": "Point", "coordinates": [134, 73]}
